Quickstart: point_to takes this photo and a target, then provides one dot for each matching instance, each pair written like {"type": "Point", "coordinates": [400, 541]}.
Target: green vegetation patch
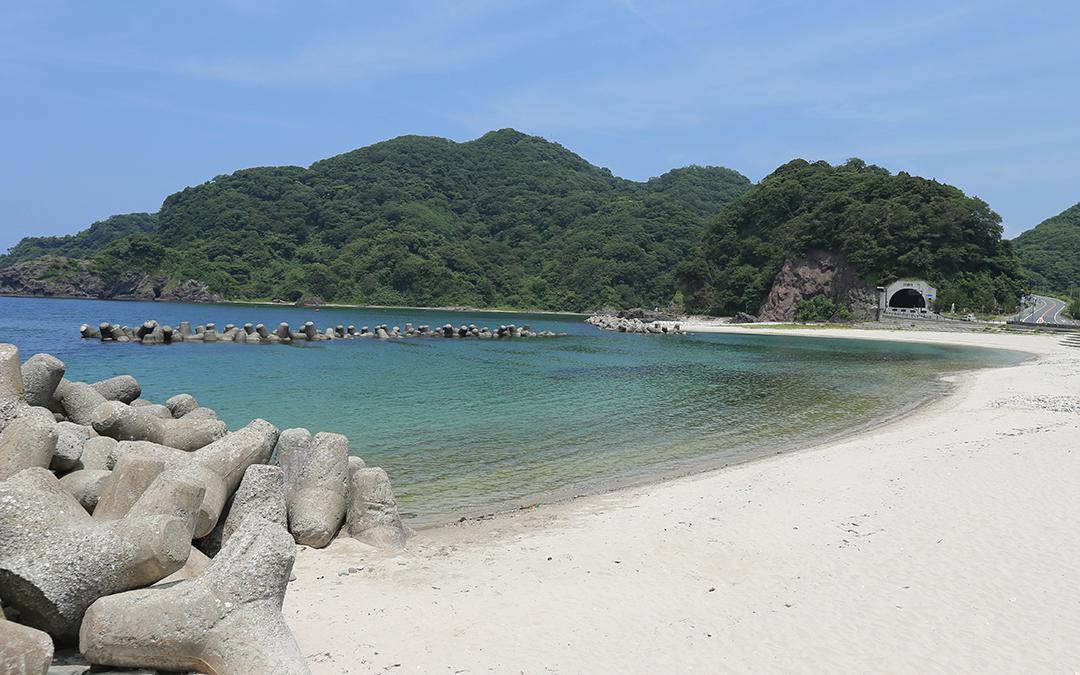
{"type": "Point", "coordinates": [1050, 253]}
{"type": "Point", "coordinates": [888, 226]}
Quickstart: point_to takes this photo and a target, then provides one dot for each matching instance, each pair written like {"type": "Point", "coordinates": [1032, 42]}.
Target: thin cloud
{"type": "Point", "coordinates": [783, 72]}
{"type": "Point", "coordinates": [443, 40]}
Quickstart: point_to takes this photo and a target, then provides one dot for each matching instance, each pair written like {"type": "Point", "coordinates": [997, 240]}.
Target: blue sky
{"type": "Point", "coordinates": [110, 106]}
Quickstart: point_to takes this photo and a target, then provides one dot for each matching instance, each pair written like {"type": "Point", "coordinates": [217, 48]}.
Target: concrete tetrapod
{"type": "Point", "coordinates": [23, 650]}
{"type": "Point", "coordinates": [41, 375]}
{"type": "Point", "coordinates": [11, 380]}
{"type": "Point", "coordinates": [219, 466]}
{"type": "Point", "coordinates": [123, 388]}
{"type": "Point", "coordinates": [55, 560]}
{"type": "Point", "coordinates": [86, 486]}
{"type": "Point", "coordinates": [226, 621]}
{"type": "Point", "coordinates": [28, 440]}
{"type": "Point", "coordinates": [373, 517]}
{"type": "Point", "coordinates": [70, 440]}
{"type": "Point", "coordinates": [262, 493]}
{"type": "Point", "coordinates": [181, 404]}
{"type": "Point", "coordinates": [171, 494]}
{"type": "Point", "coordinates": [130, 423]}
{"type": "Point", "coordinates": [79, 400]}
{"type": "Point", "coordinates": [128, 480]}
{"type": "Point", "coordinates": [318, 474]}
{"type": "Point", "coordinates": [97, 452]}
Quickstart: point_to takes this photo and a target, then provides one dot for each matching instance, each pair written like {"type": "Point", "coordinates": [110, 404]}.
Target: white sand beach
{"type": "Point", "coordinates": [944, 542]}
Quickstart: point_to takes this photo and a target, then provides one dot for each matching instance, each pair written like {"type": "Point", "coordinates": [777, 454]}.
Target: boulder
{"type": "Point", "coordinates": [23, 650]}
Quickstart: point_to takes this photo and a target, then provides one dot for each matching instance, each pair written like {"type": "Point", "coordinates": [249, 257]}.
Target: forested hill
{"type": "Point", "coordinates": [510, 220]}
{"type": "Point", "coordinates": [1050, 252]}
{"type": "Point", "coordinates": [90, 241]}
{"type": "Point", "coordinates": [887, 226]}
{"type": "Point", "coordinates": [505, 220]}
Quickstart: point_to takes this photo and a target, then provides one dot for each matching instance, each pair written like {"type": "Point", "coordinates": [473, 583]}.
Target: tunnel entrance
{"type": "Point", "coordinates": [907, 298]}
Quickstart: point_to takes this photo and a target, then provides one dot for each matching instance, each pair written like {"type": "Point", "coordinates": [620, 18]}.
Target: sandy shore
{"type": "Point", "coordinates": [946, 542]}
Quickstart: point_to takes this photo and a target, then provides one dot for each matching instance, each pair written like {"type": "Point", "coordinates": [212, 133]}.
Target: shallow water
{"type": "Point", "coordinates": [467, 426]}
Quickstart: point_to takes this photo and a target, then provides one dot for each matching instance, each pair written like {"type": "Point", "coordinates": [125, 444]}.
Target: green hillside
{"type": "Point", "coordinates": [510, 220]}
{"type": "Point", "coordinates": [1050, 253]}
{"type": "Point", "coordinates": [84, 244]}
{"type": "Point", "coordinates": [889, 226]}
{"type": "Point", "coordinates": [505, 220]}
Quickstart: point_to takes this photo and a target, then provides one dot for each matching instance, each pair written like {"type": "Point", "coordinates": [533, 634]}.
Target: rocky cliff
{"type": "Point", "coordinates": [69, 278]}
{"type": "Point", "coordinates": [818, 273]}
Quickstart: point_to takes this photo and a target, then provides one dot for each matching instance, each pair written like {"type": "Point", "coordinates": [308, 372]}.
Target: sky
{"type": "Point", "coordinates": [110, 106]}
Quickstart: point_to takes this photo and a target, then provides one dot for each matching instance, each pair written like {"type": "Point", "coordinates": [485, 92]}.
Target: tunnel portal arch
{"type": "Point", "coordinates": [907, 298]}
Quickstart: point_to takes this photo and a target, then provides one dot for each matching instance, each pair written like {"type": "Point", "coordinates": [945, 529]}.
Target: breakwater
{"type": "Point", "coordinates": [151, 535]}
{"type": "Point", "coordinates": [623, 323]}
{"type": "Point", "coordinates": [153, 332]}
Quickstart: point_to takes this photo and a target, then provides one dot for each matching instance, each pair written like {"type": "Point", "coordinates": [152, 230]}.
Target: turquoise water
{"type": "Point", "coordinates": [466, 426]}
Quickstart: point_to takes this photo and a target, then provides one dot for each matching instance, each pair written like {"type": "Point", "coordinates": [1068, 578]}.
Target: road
{"type": "Point", "coordinates": [1046, 310]}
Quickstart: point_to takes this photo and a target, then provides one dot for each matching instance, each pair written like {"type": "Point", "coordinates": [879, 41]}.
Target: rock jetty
{"type": "Point", "coordinates": [634, 324]}
{"type": "Point", "coordinates": [152, 536]}
{"type": "Point", "coordinates": [153, 332]}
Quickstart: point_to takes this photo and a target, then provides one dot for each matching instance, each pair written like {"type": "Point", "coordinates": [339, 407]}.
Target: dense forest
{"type": "Point", "coordinates": [1050, 253]}
{"type": "Point", "coordinates": [83, 244]}
{"type": "Point", "coordinates": [889, 226]}
{"type": "Point", "coordinates": [510, 220]}
{"type": "Point", "coordinates": [506, 220]}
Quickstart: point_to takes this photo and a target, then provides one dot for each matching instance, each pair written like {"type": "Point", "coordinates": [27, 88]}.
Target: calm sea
{"type": "Point", "coordinates": [466, 427]}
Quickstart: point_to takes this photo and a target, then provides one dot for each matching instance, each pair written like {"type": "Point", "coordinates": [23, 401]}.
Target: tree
{"type": "Point", "coordinates": [820, 309]}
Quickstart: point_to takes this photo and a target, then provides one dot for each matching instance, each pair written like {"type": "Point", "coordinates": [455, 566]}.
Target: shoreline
{"type": "Point", "coordinates": [810, 545]}
{"type": "Point", "coordinates": [675, 470]}
{"type": "Point", "coordinates": [268, 303]}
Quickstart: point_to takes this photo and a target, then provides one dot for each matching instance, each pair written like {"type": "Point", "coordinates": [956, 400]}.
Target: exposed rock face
{"type": "Point", "coordinates": [54, 276]}
{"type": "Point", "coordinates": [819, 273]}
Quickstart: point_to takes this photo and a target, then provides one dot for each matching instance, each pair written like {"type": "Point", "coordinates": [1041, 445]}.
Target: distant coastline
{"type": "Point", "coordinates": [450, 308]}
{"type": "Point", "coordinates": [335, 305]}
